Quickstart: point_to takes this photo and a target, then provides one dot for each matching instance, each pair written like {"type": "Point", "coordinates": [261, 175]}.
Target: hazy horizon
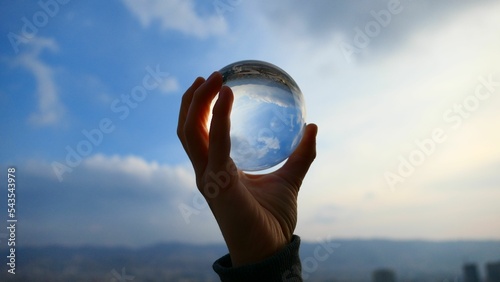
{"type": "Point", "coordinates": [405, 94]}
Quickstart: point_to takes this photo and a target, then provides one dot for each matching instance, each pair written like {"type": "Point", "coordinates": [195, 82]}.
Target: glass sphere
{"type": "Point", "coordinates": [268, 114]}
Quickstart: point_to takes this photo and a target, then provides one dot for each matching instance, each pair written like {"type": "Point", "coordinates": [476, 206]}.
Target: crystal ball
{"type": "Point", "coordinates": [268, 114]}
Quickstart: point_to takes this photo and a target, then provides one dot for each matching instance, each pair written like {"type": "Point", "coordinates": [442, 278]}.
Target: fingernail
{"type": "Point", "coordinates": [212, 75]}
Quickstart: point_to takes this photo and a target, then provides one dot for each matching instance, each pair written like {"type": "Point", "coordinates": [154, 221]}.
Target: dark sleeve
{"type": "Point", "coordinates": [282, 266]}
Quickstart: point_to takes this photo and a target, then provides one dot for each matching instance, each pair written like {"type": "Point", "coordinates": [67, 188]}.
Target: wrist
{"type": "Point", "coordinates": [253, 252]}
{"type": "Point", "coordinates": [281, 266]}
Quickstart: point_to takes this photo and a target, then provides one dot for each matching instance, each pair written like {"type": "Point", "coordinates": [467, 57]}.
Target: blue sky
{"type": "Point", "coordinates": [405, 94]}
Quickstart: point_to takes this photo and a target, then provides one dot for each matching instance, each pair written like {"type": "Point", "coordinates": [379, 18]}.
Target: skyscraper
{"type": "Point", "coordinates": [493, 271]}
{"type": "Point", "coordinates": [383, 275]}
{"type": "Point", "coordinates": [470, 273]}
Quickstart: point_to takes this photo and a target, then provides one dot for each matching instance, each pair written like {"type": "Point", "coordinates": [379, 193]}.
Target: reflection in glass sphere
{"type": "Point", "coordinates": [268, 115]}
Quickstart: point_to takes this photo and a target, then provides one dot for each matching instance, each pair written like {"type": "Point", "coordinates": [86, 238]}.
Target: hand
{"type": "Point", "coordinates": [257, 214]}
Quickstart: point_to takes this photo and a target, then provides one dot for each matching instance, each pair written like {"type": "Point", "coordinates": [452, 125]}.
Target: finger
{"type": "Point", "coordinates": [195, 127]}
{"type": "Point", "coordinates": [220, 142]}
{"type": "Point", "coordinates": [297, 165]}
{"type": "Point", "coordinates": [186, 102]}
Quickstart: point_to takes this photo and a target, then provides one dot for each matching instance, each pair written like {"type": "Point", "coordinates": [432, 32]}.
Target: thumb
{"type": "Point", "coordinates": [297, 165]}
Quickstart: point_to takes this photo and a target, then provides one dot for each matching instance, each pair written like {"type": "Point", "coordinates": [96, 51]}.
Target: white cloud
{"type": "Point", "coordinates": [113, 200]}
{"type": "Point", "coordinates": [130, 165]}
{"type": "Point", "coordinates": [371, 112]}
{"type": "Point", "coordinates": [50, 110]}
{"type": "Point", "coordinates": [179, 15]}
{"type": "Point", "coordinates": [260, 93]}
{"type": "Point", "coordinates": [140, 169]}
{"type": "Point", "coordinates": [169, 85]}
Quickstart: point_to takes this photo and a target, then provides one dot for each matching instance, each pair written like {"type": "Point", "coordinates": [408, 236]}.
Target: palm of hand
{"type": "Point", "coordinates": [275, 212]}
{"type": "Point", "coordinates": [277, 201]}
{"type": "Point", "coordinates": [257, 214]}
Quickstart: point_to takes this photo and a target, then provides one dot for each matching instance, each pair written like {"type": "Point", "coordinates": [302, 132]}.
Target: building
{"type": "Point", "coordinates": [383, 275]}
{"type": "Point", "coordinates": [470, 273]}
{"type": "Point", "coordinates": [493, 272]}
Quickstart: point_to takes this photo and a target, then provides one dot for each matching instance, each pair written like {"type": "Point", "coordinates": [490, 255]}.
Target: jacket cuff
{"type": "Point", "coordinates": [282, 266]}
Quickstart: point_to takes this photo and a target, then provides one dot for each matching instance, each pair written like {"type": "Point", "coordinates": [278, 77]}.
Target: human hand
{"type": "Point", "coordinates": [257, 214]}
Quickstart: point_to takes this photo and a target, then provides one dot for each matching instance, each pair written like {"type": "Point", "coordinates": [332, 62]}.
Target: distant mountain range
{"type": "Point", "coordinates": [334, 260]}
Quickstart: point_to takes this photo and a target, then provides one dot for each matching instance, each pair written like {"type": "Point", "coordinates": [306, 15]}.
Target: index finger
{"type": "Point", "coordinates": [195, 127]}
{"type": "Point", "coordinates": [186, 102]}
